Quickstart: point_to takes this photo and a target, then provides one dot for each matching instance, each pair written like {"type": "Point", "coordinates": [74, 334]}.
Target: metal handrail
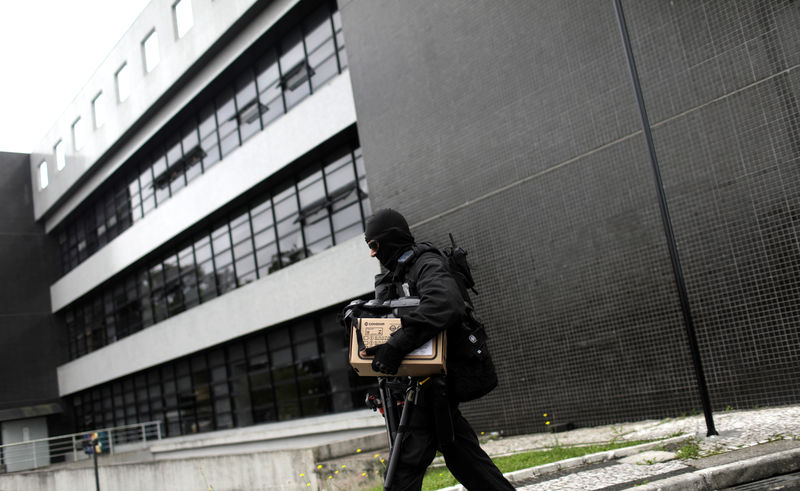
{"type": "Point", "coordinates": [32, 454]}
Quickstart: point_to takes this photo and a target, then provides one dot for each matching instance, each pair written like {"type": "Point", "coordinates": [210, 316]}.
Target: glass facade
{"type": "Point", "coordinates": [321, 205]}
{"type": "Point", "coordinates": [284, 372]}
{"type": "Point", "coordinates": [289, 70]}
{"type": "Point", "coordinates": [293, 370]}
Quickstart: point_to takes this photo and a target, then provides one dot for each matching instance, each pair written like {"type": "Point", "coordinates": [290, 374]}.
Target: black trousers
{"type": "Point", "coordinates": [464, 456]}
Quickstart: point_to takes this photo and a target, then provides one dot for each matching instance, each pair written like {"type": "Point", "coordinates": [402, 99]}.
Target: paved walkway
{"type": "Point", "coordinates": [744, 438]}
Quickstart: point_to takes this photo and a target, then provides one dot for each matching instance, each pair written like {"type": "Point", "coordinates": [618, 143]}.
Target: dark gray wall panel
{"type": "Point", "coordinates": [513, 125]}
{"type": "Point", "coordinates": [471, 96]}
{"type": "Point", "coordinates": [729, 155]}
{"type": "Point", "coordinates": [31, 344]}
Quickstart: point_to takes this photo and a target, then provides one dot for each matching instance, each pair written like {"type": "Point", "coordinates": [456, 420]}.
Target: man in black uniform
{"type": "Point", "coordinates": [435, 422]}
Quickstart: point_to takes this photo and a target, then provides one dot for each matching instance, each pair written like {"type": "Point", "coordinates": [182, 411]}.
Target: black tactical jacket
{"type": "Point", "coordinates": [441, 304]}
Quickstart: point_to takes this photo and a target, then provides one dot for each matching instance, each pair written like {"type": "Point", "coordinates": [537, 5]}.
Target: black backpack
{"type": "Point", "coordinates": [470, 371]}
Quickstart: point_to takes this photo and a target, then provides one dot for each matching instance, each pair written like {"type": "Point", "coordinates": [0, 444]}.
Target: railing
{"type": "Point", "coordinates": [71, 448]}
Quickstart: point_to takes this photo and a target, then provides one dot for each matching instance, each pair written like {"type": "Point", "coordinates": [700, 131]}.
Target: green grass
{"type": "Point", "coordinates": [690, 450]}
{"type": "Point", "coordinates": [440, 477]}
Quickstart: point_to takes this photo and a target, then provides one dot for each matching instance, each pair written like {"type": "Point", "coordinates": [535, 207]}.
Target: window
{"type": "Point", "coordinates": [61, 158]}
{"type": "Point", "coordinates": [242, 239]}
{"type": "Point", "coordinates": [206, 286]}
{"type": "Point", "coordinates": [223, 260]}
{"type": "Point", "coordinates": [182, 13]}
{"type": "Point", "coordinates": [192, 152]}
{"type": "Point", "coordinates": [264, 238]}
{"type": "Point", "coordinates": [123, 83]}
{"type": "Point", "coordinates": [268, 81]}
{"type": "Point", "coordinates": [337, 27]}
{"type": "Point", "coordinates": [97, 110]}
{"type": "Point", "coordinates": [78, 137]}
{"type": "Point", "coordinates": [188, 272]}
{"type": "Point", "coordinates": [150, 50]}
{"type": "Point", "coordinates": [314, 211]}
{"type": "Point", "coordinates": [290, 238]}
{"type": "Point", "coordinates": [209, 141]}
{"type": "Point", "coordinates": [248, 109]}
{"type": "Point", "coordinates": [295, 72]}
{"type": "Point", "coordinates": [227, 122]}
{"type": "Point", "coordinates": [43, 181]}
{"type": "Point", "coordinates": [160, 178]}
{"type": "Point", "coordinates": [321, 47]}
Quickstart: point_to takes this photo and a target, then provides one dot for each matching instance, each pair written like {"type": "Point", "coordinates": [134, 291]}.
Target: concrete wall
{"type": "Point", "coordinates": [254, 471]}
{"type": "Point", "coordinates": [514, 126]}
{"type": "Point", "coordinates": [291, 455]}
{"type": "Point", "coordinates": [30, 340]}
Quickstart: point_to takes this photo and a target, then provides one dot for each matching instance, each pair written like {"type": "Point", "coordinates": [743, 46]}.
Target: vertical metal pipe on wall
{"type": "Point", "coordinates": [673, 251]}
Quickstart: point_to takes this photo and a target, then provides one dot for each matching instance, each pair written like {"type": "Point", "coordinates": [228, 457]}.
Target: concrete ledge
{"type": "Point", "coordinates": [732, 474]}
{"type": "Point", "coordinates": [318, 426]}
{"type": "Point", "coordinates": [335, 450]}
{"type": "Point", "coordinates": [541, 470]}
{"type": "Point", "coordinates": [279, 469]}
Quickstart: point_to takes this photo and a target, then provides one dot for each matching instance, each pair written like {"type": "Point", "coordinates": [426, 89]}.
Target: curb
{"type": "Point", "coordinates": [344, 448]}
{"type": "Point", "coordinates": [561, 465]}
{"type": "Point", "coordinates": [733, 474]}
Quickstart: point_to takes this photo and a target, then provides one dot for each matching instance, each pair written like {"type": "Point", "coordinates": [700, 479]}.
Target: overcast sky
{"type": "Point", "coordinates": [48, 51]}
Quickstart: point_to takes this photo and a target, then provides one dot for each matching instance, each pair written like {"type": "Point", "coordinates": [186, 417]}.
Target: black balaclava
{"type": "Point", "coordinates": [391, 231]}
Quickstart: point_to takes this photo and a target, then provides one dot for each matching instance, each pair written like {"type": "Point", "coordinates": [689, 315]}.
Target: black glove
{"type": "Point", "coordinates": [387, 358]}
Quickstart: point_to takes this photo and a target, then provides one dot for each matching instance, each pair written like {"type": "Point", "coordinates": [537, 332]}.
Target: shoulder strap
{"type": "Point", "coordinates": [405, 274]}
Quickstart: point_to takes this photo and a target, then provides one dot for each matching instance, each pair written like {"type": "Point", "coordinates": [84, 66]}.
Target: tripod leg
{"type": "Point", "coordinates": [394, 455]}
{"type": "Point", "coordinates": [389, 414]}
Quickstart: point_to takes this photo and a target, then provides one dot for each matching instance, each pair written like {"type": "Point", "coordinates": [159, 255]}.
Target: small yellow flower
{"type": "Point", "coordinates": [343, 466]}
{"type": "Point", "coordinates": [547, 422]}
{"type": "Point", "coordinates": [302, 474]}
{"type": "Point", "coordinates": [381, 461]}
{"type": "Point", "coordinates": [358, 450]}
{"type": "Point", "coordinates": [330, 477]}
{"type": "Point", "coordinates": [544, 415]}
{"type": "Point", "coordinates": [336, 472]}
{"type": "Point", "coordinates": [363, 474]}
{"type": "Point", "coordinates": [481, 433]}
{"type": "Point", "coordinates": [319, 466]}
{"type": "Point", "coordinates": [377, 455]}
{"type": "Point", "coordinates": [308, 484]}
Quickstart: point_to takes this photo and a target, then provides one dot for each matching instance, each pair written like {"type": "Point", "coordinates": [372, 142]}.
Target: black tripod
{"type": "Point", "coordinates": [388, 406]}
